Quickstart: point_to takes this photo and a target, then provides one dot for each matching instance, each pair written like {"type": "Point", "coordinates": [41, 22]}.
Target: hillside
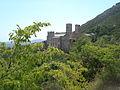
{"type": "Point", "coordinates": [107, 23]}
{"type": "Point", "coordinates": [110, 16]}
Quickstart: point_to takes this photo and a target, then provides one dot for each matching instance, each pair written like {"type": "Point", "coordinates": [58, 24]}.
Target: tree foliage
{"type": "Point", "coordinates": [98, 58]}
{"type": "Point", "coordinates": [31, 67]}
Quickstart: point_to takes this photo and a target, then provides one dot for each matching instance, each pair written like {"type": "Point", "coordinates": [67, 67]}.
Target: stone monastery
{"type": "Point", "coordinates": [65, 40]}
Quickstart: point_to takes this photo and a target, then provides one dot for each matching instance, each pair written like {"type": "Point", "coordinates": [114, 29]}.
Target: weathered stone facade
{"type": "Point", "coordinates": [64, 40]}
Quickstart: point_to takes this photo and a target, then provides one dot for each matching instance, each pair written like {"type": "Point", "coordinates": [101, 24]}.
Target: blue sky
{"type": "Point", "coordinates": [57, 12]}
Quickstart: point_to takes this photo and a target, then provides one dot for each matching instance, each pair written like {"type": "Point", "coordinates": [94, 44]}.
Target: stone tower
{"type": "Point", "coordinates": [68, 29]}
{"type": "Point", "coordinates": [77, 28]}
{"type": "Point", "coordinates": [49, 38]}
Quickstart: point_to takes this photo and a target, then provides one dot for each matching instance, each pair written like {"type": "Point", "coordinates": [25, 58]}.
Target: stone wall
{"type": "Point", "coordinates": [66, 41]}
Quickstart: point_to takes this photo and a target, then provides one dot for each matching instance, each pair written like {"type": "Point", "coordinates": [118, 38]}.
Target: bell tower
{"type": "Point", "coordinates": [69, 29]}
{"type": "Point", "coordinates": [77, 28]}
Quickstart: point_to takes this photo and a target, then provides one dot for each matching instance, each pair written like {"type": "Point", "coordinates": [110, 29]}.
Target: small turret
{"type": "Point", "coordinates": [49, 38]}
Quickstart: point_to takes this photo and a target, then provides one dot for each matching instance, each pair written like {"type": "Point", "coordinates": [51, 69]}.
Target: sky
{"type": "Point", "coordinates": [57, 12]}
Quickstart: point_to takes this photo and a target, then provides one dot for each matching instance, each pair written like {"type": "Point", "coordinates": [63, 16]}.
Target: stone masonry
{"type": "Point", "coordinates": [64, 40]}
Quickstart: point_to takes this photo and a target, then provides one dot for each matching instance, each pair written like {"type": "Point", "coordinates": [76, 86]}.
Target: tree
{"type": "Point", "coordinates": [23, 35]}
{"type": "Point", "coordinates": [33, 67]}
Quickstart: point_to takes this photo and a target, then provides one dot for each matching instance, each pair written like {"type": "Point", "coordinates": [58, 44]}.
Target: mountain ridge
{"type": "Point", "coordinates": [104, 17]}
{"type": "Point", "coordinates": [106, 25]}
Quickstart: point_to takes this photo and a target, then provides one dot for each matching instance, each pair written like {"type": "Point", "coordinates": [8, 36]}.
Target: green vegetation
{"type": "Point", "coordinates": [98, 58]}
{"type": "Point", "coordinates": [33, 67]}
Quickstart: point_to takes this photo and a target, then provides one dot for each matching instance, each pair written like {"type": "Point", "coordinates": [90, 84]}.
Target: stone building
{"type": "Point", "coordinates": [64, 40]}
